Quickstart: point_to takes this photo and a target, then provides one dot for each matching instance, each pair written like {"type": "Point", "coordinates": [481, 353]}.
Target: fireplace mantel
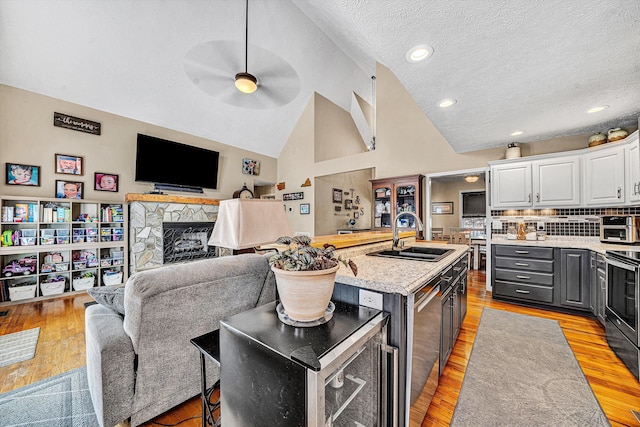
{"type": "Point", "coordinates": [164, 198]}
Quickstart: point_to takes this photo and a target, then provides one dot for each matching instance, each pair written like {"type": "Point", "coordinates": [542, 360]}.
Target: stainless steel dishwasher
{"type": "Point", "coordinates": [424, 348]}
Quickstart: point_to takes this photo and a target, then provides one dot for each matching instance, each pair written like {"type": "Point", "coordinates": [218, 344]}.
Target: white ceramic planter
{"type": "Point", "coordinates": [305, 295]}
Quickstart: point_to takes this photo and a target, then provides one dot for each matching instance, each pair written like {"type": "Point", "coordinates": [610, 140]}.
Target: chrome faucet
{"type": "Point", "coordinates": [395, 226]}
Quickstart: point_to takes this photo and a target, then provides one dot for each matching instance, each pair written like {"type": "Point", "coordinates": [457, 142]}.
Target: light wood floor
{"type": "Point", "coordinates": [61, 348]}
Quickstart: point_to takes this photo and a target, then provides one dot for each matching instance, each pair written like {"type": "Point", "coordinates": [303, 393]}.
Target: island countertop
{"type": "Point", "coordinates": [391, 275]}
{"type": "Point", "coordinates": [341, 241]}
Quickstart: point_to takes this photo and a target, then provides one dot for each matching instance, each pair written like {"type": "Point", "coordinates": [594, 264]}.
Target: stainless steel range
{"type": "Point", "coordinates": [622, 310]}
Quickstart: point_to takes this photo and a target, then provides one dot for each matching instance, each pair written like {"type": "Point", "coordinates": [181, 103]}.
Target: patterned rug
{"type": "Point", "coordinates": [18, 346]}
{"type": "Point", "coordinates": [60, 401]}
{"type": "Point", "coordinates": [522, 372]}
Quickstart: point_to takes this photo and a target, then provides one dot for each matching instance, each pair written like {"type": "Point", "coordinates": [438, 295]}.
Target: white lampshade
{"type": "Point", "coordinates": [246, 223]}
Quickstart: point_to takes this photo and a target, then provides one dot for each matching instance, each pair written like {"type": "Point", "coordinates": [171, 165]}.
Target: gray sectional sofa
{"type": "Point", "coordinates": [141, 364]}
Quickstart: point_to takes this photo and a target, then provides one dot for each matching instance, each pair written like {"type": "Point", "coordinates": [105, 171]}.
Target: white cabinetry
{"type": "Point", "coordinates": [511, 185]}
{"type": "Point", "coordinates": [547, 182]}
{"type": "Point", "coordinates": [604, 177]}
{"type": "Point", "coordinates": [56, 246]}
{"type": "Point", "coordinates": [632, 175]}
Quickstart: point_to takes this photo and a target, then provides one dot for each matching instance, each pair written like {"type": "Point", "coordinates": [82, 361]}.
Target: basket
{"type": "Point", "coordinates": [112, 279]}
{"type": "Point", "coordinates": [22, 292]}
{"type": "Point", "coordinates": [82, 283]}
{"type": "Point", "coordinates": [52, 288]}
{"type": "Point", "coordinates": [63, 266]}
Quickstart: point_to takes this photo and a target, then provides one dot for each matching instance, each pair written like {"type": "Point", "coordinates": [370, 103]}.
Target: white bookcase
{"type": "Point", "coordinates": [60, 246]}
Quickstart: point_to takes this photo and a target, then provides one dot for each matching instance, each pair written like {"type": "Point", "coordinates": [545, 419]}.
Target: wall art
{"type": "Point", "coordinates": [305, 208]}
{"type": "Point", "coordinates": [106, 182]}
{"type": "Point", "coordinates": [76, 123]}
{"type": "Point", "coordinates": [337, 195]}
{"type": "Point", "coordinates": [293, 196]}
{"type": "Point", "coordinates": [442, 208]}
{"type": "Point", "coordinates": [250, 167]}
{"type": "Point", "coordinates": [71, 165]}
{"type": "Point", "coordinates": [69, 189]}
{"type": "Point", "coordinates": [18, 174]}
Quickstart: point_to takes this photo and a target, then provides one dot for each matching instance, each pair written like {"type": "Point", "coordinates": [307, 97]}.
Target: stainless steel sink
{"type": "Point", "coordinates": [416, 253]}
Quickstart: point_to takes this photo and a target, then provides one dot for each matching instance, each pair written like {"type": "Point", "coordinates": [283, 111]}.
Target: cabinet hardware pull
{"type": "Point", "coordinates": [635, 186]}
{"type": "Point", "coordinates": [529, 197]}
{"type": "Point", "coordinates": [385, 348]}
{"type": "Point", "coordinates": [619, 192]}
{"type": "Point", "coordinates": [520, 291]}
{"type": "Point", "coordinates": [537, 197]}
{"type": "Point", "coordinates": [520, 276]}
{"type": "Point", "coordinates": [522, 264]}
{"type": "Point", "coordinates": [522, 252]}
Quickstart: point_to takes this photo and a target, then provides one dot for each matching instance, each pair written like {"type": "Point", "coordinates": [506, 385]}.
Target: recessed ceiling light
{"type": "Point", "coordinates": [446, 103]}
{"type": "Point", "coordinates": [516, 133]}
{"type": "Point", "coordinates": [419, 53]}
{"type": "Point", "coordinates": [597, 109]}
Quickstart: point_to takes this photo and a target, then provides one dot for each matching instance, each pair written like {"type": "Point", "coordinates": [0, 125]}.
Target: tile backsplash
{"type": "Point", "coordinates": [580, 222]}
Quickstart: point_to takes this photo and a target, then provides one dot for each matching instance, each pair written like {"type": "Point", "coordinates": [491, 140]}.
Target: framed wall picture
{"type": "Point", "coordinates": [304, 208]}
{"type": "Point", "coordinates": [18, 174]}
{"type": "Point", "coordinates": [71, 165]}
{"type": "Point", "coordinates": [348, 203]}
{"type": "Point", "coordinates": [250, 167]}
{"type": "Point", "coordinates": [69, 189]}
{"type": "Point", "coordinates": [106, 182]}
{"type": "Point", "coordinates": [337, 195]}
{"type": "Point", "coordinates": [442, 208]}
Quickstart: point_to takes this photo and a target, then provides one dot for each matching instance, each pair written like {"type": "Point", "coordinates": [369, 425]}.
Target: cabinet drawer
{"type": "Point", "coordinates": [601, 262]}
{"type": "Point", "coordinates": [523, 264]}
{"type": "Point", "coordinates": [524, 252]}
{"type": "Point", "coordinates": [544, 279]}
{"type": "Point", "coordinates": [522, 291]}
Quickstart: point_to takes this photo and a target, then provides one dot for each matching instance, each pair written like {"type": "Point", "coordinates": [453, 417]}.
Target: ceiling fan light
{"type": "Point", "coordinates": [471, 178]}
{"type": "Point", "coordinates": [246, 83]}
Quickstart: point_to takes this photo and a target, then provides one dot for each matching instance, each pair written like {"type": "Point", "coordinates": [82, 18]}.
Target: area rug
{"type": "Point", "coordinates": [522, 372]}
{"type": "Point", "coordinates": [61, 401]}
{"type": "Point", "coordinates": [18, 346]}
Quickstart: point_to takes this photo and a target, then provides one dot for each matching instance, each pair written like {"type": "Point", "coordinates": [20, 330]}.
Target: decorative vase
{"type": "Point", "coordinates": [305, 295]}
{"type": "Point", "coordinates": [597, 139]}
{"type": "Point", "coordinates": [617, 134]}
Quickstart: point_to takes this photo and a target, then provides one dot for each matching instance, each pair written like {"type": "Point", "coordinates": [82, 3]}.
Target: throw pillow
{"type": "Point", "coordinates": [109, 296]}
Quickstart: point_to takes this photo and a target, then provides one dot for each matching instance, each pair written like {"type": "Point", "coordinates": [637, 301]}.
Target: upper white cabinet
{"type": "Point", "coordinates": [604, 177]}
{"type": "Point", "coordinates": [556, 182]}
{"type": "Point", "coordinates": [542, 183]}
{"type": "Point", "coordinates": [511, 185]}
{"type": "Point", "coordinates": [632, 175]}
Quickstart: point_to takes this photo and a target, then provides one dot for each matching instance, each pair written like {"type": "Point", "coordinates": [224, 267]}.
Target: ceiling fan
{"type": "Point", "coordinates": [213, 67]}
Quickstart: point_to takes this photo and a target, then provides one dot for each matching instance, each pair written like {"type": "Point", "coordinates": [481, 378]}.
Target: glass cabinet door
{"type": "Point", "coordinates": [405, 202]}
{"type": "Point", "coordinates": [382, 207]}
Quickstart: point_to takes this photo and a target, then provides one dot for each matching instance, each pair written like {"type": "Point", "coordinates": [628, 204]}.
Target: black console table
{"type": "Point", "coordinates": [209, 346]}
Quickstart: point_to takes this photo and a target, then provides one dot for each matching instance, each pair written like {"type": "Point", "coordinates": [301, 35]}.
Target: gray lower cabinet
{"type": "Point", "coordinates": [453, 287]}
{"type": "Point", "coordinates": [601, 288]}
{"type": "Point", "coordinates": [575, 278]}
{"type": "Point", "coordinates": [553, 277]}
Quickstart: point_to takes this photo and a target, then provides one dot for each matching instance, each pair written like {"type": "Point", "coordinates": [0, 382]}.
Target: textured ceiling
{"type": "Point", "coordinates": [528, 65]}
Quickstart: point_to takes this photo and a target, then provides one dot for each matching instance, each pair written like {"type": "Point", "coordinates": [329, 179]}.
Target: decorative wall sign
{"type": "Point", "coordinates": [23, 174]}
{"type": "Point", "coordinates": [280, 186]}
{"type": "Point", "coordinates": [442, 208]}
{"type": "Point", "coordinates": [250, 167]}
{"type": "Point", "coordinates": [304, 208]}
{"type": "Point", "coordinates": [76, 123]}
{"type": "Point", "coordinates": [307, 183]}
{"type": "Point", "coordinates": [337, 195]}
{"type": "Point", "coordinates": [293, 196]}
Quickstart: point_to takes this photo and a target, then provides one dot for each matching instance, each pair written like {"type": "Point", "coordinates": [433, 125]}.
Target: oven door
{"type": "Point", "coordinates": [622, 297]}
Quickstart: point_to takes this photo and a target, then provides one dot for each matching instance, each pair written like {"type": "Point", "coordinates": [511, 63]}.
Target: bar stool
{"type": "Point", "coordinates": [209, 346]}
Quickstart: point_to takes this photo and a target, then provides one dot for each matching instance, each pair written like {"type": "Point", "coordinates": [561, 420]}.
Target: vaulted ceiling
{"type": "Point", "coordinates": [511, 65]}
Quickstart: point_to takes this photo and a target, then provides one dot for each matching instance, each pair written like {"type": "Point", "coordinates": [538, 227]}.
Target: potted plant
{"type": "Point", "coordinates": [305, 276]}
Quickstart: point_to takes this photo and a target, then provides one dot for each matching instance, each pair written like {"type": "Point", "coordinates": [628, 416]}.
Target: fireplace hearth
{"type": "Point", "coordinates": [186, 241]}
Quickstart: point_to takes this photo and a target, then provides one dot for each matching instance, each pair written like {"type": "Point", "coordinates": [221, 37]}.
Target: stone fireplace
{"type": "Point", "coordinates": [181, 224]}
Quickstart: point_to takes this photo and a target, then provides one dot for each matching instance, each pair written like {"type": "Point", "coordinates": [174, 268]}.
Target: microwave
{"type": "Point", "coordinates": [620, 229]}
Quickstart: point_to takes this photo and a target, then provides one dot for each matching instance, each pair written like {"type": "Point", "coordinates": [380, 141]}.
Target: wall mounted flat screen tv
{"type": "Point", "coordinates": [160, 161]}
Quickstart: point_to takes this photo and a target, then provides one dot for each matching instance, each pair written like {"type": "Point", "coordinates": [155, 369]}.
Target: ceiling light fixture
{"type": "Point", "coordinates": [446, 103]}
{"type": "Point", "coordinates": [597, 109]}
{"type": "Point", "coordinates": [516, 133]}
{"type": "Point", "coordinates": [245, 82]}
{"type": "Point", "coordinates": [471, 178]}
{"type": "Point", "coordinates": [419, 53]}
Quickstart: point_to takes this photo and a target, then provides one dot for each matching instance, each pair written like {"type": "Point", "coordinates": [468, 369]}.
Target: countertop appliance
{"type": "Point", "coordinates": [341, 373]}
{"type": "Point", "coordinates": [622, 323]}
{"type": "Point", "coordinates": [424, 348]}
{"type": "Point", "coordinates": [620, 228]}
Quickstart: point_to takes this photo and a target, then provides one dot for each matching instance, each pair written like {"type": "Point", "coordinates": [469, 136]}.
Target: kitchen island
{"type": "Point", "coordinates": [400, 287]}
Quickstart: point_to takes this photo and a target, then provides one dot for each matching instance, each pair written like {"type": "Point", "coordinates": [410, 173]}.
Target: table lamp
{"type": "Point", "coordinates": [243, 224]}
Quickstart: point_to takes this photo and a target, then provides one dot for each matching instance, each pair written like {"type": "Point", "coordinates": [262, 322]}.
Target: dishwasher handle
{"type": "Point", "coordinates": [388, 349]}
{"type": "Point", "coordinates": [425, 299]}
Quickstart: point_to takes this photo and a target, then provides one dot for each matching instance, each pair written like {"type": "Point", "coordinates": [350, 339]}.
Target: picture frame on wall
{"type": "Point", "coordinates": [348, 203]}
{"type": "Point", "coordinates": [18, 174]}
{"type": "Point", "coordinates": [106, 182]}
{"type": "Point", "coordinates": [305, 208]}
{"type": "Point", "coordinates": [442, 208]}
{"type": "Point", "coordinates": [337, 195]}
{"type": "Point", "coordinates": [69, 189]}
{"type": "Point", "coordinates": [250, 167]}
{"type": "Point", "coordinates": [68, 164]}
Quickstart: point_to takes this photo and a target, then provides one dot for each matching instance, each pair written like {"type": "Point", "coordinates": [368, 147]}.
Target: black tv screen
{"type": "Point", "coordinates": [166, 162]}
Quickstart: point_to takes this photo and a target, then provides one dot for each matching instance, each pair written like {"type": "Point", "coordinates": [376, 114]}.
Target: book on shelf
{"type": "Point", "coordinates": [7, 214]}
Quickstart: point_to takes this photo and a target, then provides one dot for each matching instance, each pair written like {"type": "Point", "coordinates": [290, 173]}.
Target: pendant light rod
{"type": "Point", "coordinates": [246, 37]}
{"type": "Point", "coordinates": [245, 82]}
{"type": "Point", "coordinates": [373, 113]}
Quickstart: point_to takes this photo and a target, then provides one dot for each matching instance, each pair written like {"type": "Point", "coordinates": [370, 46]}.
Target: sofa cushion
{"type": "Point", "coordinates": [109, 296]}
